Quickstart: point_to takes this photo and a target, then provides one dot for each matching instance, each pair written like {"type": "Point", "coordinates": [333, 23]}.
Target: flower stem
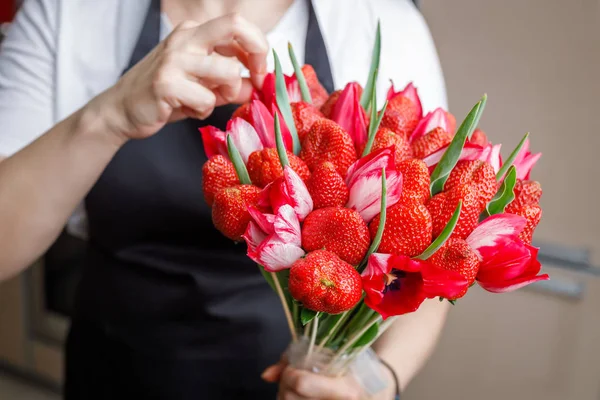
{"type": "Point", "coordinates": [286, 308]}
{"type": "Point", "coordinates": [313, 335]}
{"type": "Point", "coordinates": [350, 342]}
{"type": "Point", "coordinates": [334, 329]}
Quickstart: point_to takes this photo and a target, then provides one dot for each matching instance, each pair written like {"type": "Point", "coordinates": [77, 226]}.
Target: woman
{"type": "Point", "coordinates": [167, 308]}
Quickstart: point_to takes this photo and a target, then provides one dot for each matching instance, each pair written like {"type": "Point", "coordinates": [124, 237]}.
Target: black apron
{"type": "Point", "coordinates": [168, 308]}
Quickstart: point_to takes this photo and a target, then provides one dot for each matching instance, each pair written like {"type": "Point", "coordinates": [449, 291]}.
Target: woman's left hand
{"type": "Point", "coordinates": [295, 384]}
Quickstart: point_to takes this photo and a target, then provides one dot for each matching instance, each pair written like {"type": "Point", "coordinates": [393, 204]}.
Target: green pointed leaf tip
{"type": "Point", "coordinates": [304, 90]}
{"type": "Point", "coordinates": [281, 152]}
{"type": "Point", "coordinates": [238, 163]}
{"type": "Point", "coordinates": [450, 158]}
{"type": "Point", "coordinates": [283, 102]}
{"type": "Point", "coordinates": [505, 194]}
{"type": "Point", "coordinates": [444, 236]}
{"type": "Point", "coordinates": [307, 315]}
{"type": "Point", "coordinates": [365, 99]}
{"type": "Point", "coordinates": [511, 159]}
{"type": "Point", "coordinates": [367, 337]}
{"type": "Point", "coordinates": [372, 129]}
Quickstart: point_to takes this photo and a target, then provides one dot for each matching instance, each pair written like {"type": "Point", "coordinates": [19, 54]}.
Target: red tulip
{"type": "Point", "coordinates": [411, 93]}
{"type": "Point", "coordinates": [525, 161]}
{"type": "Point", "coordinates": [350, 115]}
{"type": "Point", "coordinates": [435, 119]}
{"type": "Point", "coordinates": [244, 137]}
{"type": "Point", "coordinates": [287, 190]}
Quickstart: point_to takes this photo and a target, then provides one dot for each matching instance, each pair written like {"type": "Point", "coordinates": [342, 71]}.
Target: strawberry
{"type": "Point", "coordinates": [329, 105]}
{"type": "Point", "coordinates": [456, 255]}
{"type": "Point", "coordinates": [397, 123]}
{"type": "Point", "coordinates": [305, 115]}
{"type": "Point", "coordinates": [264, 166]}
{"type": "Point", "coordinates": [478, 172]}
{"type": "Point", "coordinates": [405, 113]}
{"type": "Point", "coordinates": [243, 112]}
{"type": "Point", "coordinates": [339, 230]}
{"type": "Point", "coordinates": [327, 141]}
{"type": "Point", "coordinates": [327, 187]}
{"type": "Point", "coordinates": [479, 137]}
{"type": "Point", "coordinates": [407, 230]}
{"type": "Point", "coordinates": [317, 92]}
{"type": "Point", "coordinates": [442, 206]}
{"type": "Point", "coordinates": [230, 209]}
{"type": "Point", "coordinates": [415, 180]}
{"type": "Point", "coordinates": [526, 193]}
{"type": "Point", "coordinates": [217, 173]}
{"type": "Point", "coordinates": [532, 213]}
{"type": "Point", "coordinates": [323, 282]}
{"type": "Point", "coordinates": [431, 142]}
{"type": "Point", "coordinates": [386, 138]}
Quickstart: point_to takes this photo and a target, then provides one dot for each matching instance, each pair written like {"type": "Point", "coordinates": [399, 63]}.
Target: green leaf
{"type": "Point", "coordinates": [382, 216]}
{"type": "Point", "coordinates": [367, 337]}
{"type": "Point", "coordinates": [505, 194]}
{"type": "Point", "coordinates": [453, 302]}
{"type": "Point", "coordinates": [307, 315]}
{"type": "Point", "coordinates": [511, 159]}
{"type": "Point", "coordinates": [238, 163]}
{"type": "Point", "coordinates": [268, 277]}
{"type": "Point", "coordinates": [304, 90]}
{"type": "Point", "coordinates": [450, 158]}
{"type": "Point", "coordinates": [283, 158]}
{"type": "Point", "coordinates": [283, 102]}
{"type": "Point", "coordinates": [444, 236]}
{"type": "Point", "coordinates": [373, 127]}
{"type": "Point", "coordinates": [365, 99]}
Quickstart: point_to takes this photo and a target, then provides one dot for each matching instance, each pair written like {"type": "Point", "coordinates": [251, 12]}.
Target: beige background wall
{"type": "Point", "coordinates": [539, 62]}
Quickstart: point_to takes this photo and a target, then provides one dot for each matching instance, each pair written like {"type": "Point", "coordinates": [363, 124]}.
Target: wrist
{"type": "Point", "coordinates": [101, 119]}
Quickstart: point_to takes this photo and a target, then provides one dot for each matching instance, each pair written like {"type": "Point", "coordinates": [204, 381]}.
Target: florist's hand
{"type": "Point", "coordinates": [197, 67]}
{"type": "Point", "coordinates": [295, 384]}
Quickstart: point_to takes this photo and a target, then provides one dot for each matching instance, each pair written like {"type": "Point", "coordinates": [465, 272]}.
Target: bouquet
{"type": "Point", "coordinates": [356, 215]}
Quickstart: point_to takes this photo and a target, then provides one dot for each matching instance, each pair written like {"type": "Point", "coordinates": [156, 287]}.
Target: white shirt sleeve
{"type": "Point", "coordinates": [27, 70]}
{"type": "Point", "coordinates": [409, 53]}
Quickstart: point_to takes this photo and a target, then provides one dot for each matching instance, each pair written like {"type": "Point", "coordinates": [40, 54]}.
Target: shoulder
{"type": "Point", "coordinates": [408, 52]}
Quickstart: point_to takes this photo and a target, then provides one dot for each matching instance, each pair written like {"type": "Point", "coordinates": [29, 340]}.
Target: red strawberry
{"type": "Point", "coordinates": [478, 172]}
{"type": "Point", "coordinates": [264, 166]}
{"type": "Point", "coordinates": [317, 92]}
{"type": "Point", "coordinates": [327, 187]}
{"type": "Point", "coordinates": [339, 230]}
{"type": "Point", "coordinates": [526, 193]}
{"type": "Point", "coordinates": [243, 112]}
{"type": "Point", "coordinates": [323, 282]}
{"type": "Point", "coordinates": [397, 123]}
{"type": "Point", "coordinates": [442, 206]}
{"type": "Point", "coordinates": [456, 255]}
{"type": "Point", "coordinates": [533, 214]}
{"type": "Point", "coordinates": [327, 141]}
{"type": "Point", "coordinates": [431, 142]}
{"type": "Point", "coordinates": [415, 180]}
{"type": "Point", "coordinates": [217, 173]}
{"type": "Point", "coordinates": [407, 229]}
{"type": "Point", "coordinates": [230, 209]}
{"type": "Point", "coordinates": [305, 116]}
{"type": "Point", "coordinates": [405, 113]}
{"type": "Point", "coordinates": [329, 105]}
{"type": "Point", "coordinates": [386, 138]}
{"type": "Point", "coordinates": [479, 137]}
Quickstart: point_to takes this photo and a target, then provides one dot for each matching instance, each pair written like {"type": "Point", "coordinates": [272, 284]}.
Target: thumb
{"type": "Point", "coordinates": [273, 373]}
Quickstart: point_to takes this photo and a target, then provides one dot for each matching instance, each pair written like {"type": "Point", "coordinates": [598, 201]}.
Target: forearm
{"type": "Point", "coordinates": [409, 342]}
{"type": "Point", "coordinates": [42, 184]}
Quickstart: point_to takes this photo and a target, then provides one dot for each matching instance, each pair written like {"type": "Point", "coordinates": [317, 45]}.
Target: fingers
{"type": "Point", "coordinates": [309, 385]}
{"type": "Point", "coordinates": [273, 373]}
{"type": "Point", "coordinates": [183, 93]}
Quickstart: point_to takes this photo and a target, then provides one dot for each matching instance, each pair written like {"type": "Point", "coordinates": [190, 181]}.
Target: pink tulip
{"type": "Point", "coordinates": [287, 190]}
{"type": "Point", "coordinates": [396, 285]}
{"type": "Point", "coordinates": [364, 182]}
{"type": "Point", "coordinates": [264, 122]}
{"type": "Point", "coordinates": [435, 119]}
{"type": "Point", "coordinates": [507, 263]}
{"type": "Point", "coordinates": [274, 241]}
{"type": "Point", "coordinates": [244, 137]}
{"type": "Point", "coordinates": [490, 154]}
{"type": "Point", "coordinates": [525, 161]}
{"type": "Point", "coordinates": [350, 115]}
{"type": "Point", "coordinates": [267, 93]}
{"type": "Point", "coordinates": [411, 93]}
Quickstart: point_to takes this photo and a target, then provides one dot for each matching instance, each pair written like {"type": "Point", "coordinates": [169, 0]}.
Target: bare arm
{"type": "Point", "coordinates": [185, 76]}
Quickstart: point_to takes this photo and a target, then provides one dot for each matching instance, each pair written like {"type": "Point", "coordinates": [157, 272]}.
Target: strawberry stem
{"type": "Point", "coordinates": [444, 236]}
{"type": "Point", "coordinates": [238, 163]}
{"type": "Point", "coordinates": [281, 152]}
{"type": "Point", "coordinates": [313, 337]}
{"type": "Point", "coordinates": [283, 102]}
{"type": "Point", "coordinates": [505, 194]}
{"type": "Point", "coordinates": [286, 308]}
{"type": "Point", "coordinates": [442, 171]}
{"type": "Point", "coordinates": [304, 91]}
{"type": "Point", "coordinates": [365, 99]}
{"type": "Point", "coordinates": [511, 159]}
{"type": "Point", "coordinates": [350, 342]}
